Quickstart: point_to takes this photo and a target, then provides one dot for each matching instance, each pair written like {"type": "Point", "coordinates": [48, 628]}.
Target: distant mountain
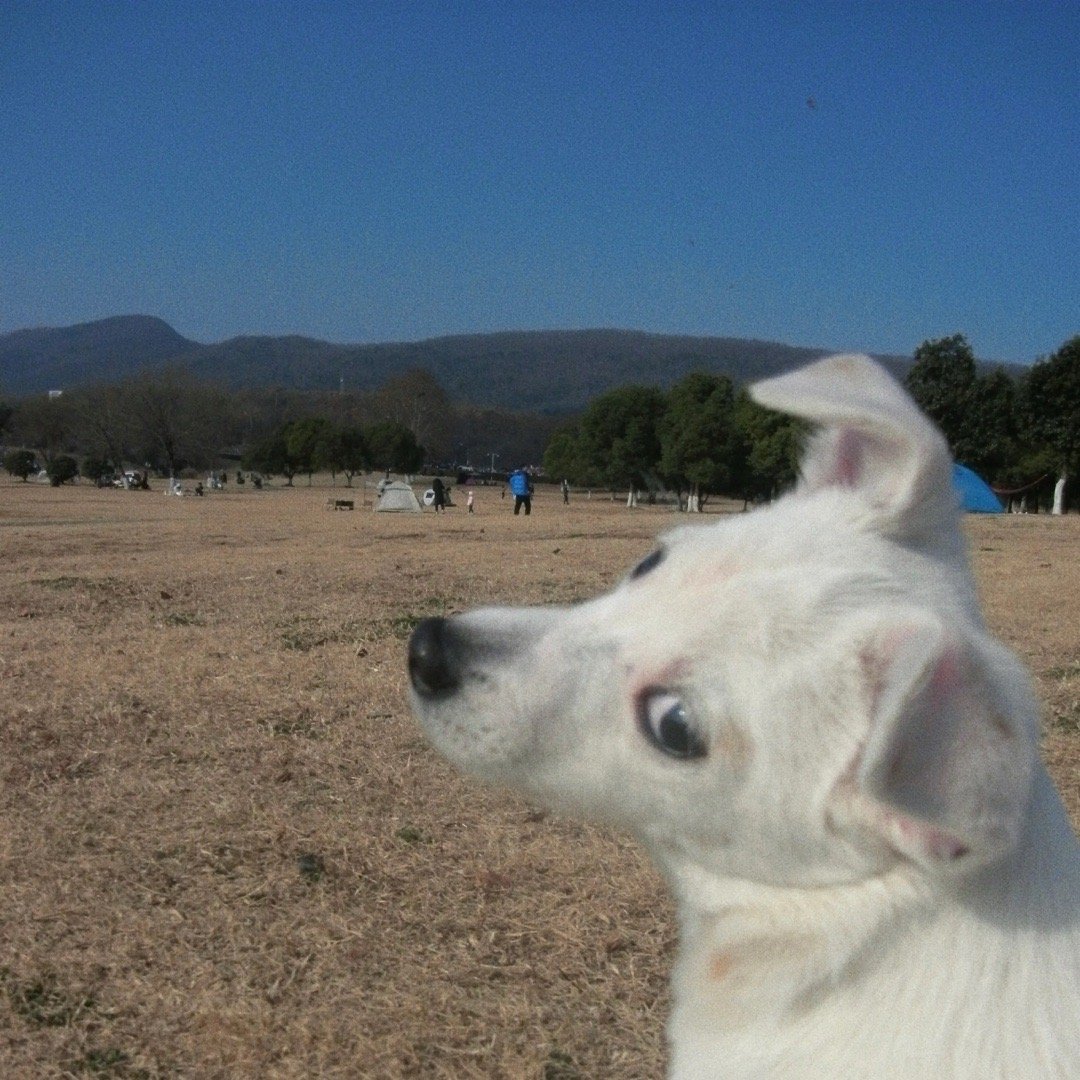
{"type": "Point", "coordinates": [542, 371]}
{"type": "Point", "coordinates": [539, 371]}
{"type": "Point", "coordinates": [33, 361]}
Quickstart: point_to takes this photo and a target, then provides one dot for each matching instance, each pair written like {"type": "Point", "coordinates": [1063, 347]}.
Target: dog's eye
{"type": "Point", "coordinates": [665, 721]}
{"type": "Point", "coordinates": [650, 562]}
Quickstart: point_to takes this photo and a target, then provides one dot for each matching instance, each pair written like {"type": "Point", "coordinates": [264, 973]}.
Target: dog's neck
{"type": "Point", "coordinates": [749, 951]}
{"type": "Point", "coordinates": [752, 953]}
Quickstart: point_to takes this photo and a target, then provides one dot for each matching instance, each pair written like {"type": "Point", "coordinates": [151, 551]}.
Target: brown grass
{"type": "Point", "coordinates": [225, 849]}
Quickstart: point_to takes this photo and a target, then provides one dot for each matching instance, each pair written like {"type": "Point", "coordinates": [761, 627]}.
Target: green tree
{"type": "Point", "coordinates": [61, 469]}
{"type": "Point", "coordinates": [20, 463]}
{"type": "Point", "coordinates": [393, 446]}
{"type": "Point", "coordinates": [329, 450]}
{"type": "Point", "coordinates": [699, 447]}
{"type": "Point", "coordinates": [978, 414]}
{"type": "Point", "coordinates": [94, 467]}
{"type": "Point", "coordinates": [1052, 393]}
{"type": "Point", "coordinates": [770, 441]}
{"type": "Point", "coordinates": [270, 456]}
{"type": "Point", "coordinates": [310, 443]}
{"type": "Point", "coordinates": [619, 436]}
{"type": "Point", "coordinates": [942, 381]}
{"type": "Point", "coordinates": [991, 427]}
{"type": "Point", "coordinates": [354, 455]}
{"type": "Point", "coordinates": [566, 457]}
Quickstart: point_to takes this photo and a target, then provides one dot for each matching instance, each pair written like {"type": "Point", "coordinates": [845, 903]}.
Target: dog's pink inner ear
{"type": "Point", "coordinates": [872, 438]}
{"type": "Point", "coordinates": [948, 775]}
{"type": "Point", "coordinates": [889, 472]}
{"type": "Point", "coordinates": [847, 460]}
{"type": "Point", "coordinates": [916, 837]}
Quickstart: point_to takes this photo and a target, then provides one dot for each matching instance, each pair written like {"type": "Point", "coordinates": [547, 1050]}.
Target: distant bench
{"type": "Point", "coordinates": [340, 504]}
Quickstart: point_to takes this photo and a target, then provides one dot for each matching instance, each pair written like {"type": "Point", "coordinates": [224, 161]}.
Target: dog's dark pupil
{"type": "Point", "coordinates": [676, 736]}
{"type": "Point", "coordinates": [673, 732]}
{"type": "Point", "coordinates": [648, 563]}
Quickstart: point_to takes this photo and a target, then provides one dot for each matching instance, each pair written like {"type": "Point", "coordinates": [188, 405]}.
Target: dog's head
{"type": "Point", "coordinates": [799, 695]}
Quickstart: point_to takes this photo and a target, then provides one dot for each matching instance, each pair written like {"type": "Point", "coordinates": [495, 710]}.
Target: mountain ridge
{"type": "Point", "coordinates": [551, 371]}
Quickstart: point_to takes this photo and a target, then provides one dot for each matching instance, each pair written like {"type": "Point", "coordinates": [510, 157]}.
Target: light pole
{"type": "Point", "coordinates": [493, 457]}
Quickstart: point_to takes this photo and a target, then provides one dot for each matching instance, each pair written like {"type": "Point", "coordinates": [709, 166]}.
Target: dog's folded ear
{"type": "Point", "coordinates": [946, 771]}
{"type": "Point", "coordinates": [871, 437]}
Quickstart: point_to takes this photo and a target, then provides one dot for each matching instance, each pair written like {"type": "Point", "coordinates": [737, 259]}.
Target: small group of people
{"type": "Point", "coordinates": [519, 483]}
{"type": "Point", "coordinates": [440, 497]}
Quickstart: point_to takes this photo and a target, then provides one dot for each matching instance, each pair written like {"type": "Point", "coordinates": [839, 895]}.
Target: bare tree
{"type": "Point", "coordinates": [45, 424]}
{"type": "Point", "coordinates": [180, 419]}
{"type": "Point", "coordinates": [417, 401]}
{"type": "Point", "coordinates": [105, 421]}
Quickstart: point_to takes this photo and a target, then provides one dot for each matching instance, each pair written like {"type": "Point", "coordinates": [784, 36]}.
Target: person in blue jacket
{"type": "Point", "coordinates": [521, 488]}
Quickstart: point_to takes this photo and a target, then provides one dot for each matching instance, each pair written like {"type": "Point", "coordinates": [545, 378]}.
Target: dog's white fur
{"type": "Point", "coordinates": [874, 873]}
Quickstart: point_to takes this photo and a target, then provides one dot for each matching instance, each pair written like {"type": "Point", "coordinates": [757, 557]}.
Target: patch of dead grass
{"type": "Point", "coordinates": [226, 850]}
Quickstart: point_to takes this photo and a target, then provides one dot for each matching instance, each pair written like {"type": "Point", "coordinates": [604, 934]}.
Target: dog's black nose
{"type": "Point", "coordinates": [430, 666]}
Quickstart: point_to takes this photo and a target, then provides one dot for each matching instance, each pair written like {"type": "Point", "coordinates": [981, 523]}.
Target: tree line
{"type": "Point", "coordinates": [316, 444]}
{"type": "Point", "coordinates": [702, 437]}
{"type": "Point", "coordinates": [705, 436]}
{"type": "Point", "coordinates": [1019, 434]}
{"type": "Point", "coordinates": [170, 421]}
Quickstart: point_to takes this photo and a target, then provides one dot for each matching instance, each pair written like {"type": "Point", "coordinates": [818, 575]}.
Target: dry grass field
{"type": "Point", "coordinates": [226, 850]}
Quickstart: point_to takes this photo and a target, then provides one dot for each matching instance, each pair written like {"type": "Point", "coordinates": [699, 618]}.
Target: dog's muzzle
{"type": "Point", "coordinates": [433, 669]}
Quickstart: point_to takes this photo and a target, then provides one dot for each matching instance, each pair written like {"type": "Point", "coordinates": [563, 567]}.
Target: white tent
{"type": "Point", "coordinates": [398, 496]}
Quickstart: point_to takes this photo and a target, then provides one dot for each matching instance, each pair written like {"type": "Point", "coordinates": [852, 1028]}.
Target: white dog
{"type": "Point", "coordinates": [802, 714]}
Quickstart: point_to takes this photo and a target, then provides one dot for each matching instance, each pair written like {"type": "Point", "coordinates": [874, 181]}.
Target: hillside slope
{"type": "Point", "coordinates": [543, 371]}
{"type": "Point", "coordinates": [51, 358]}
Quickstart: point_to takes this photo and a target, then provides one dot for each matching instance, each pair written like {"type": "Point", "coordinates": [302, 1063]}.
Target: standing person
{"type": "Point", "coordinates": [439, 490]}
{"type": "Point", "coordinates": [469, 502]}
{"type": "Point", "coordinates": [566, 492]}
{"type": "Point", "coordinates": [521, 488]}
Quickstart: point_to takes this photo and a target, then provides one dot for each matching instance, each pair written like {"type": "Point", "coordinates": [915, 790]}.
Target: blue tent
{"type": "Point", "coordinates": [975, 495]}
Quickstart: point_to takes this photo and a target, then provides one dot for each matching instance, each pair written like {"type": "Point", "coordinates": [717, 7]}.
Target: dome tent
{"type": "Point", "coordinates": [975, 494]}
{"type": "Point", "coordinates": [399, 497]}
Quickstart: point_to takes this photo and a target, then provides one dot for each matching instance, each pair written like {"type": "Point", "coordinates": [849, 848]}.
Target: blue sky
{"type": "Point", "coordinates": [848, 175]}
